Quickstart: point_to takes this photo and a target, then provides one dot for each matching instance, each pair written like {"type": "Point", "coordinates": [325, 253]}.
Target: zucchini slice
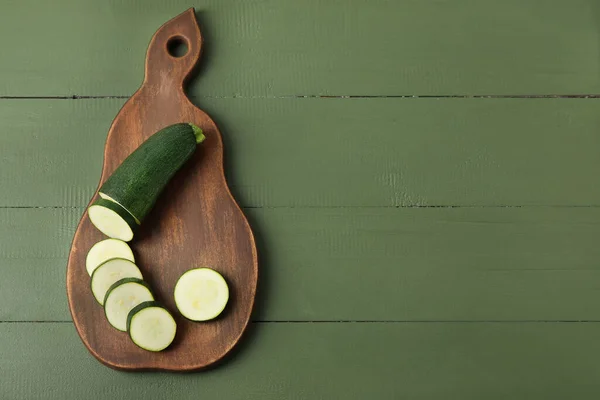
{"type": "Point", "coordinates": [142, 176]}
{"type": "Point", "coordinates": [112, 220]}
{"type": "Point", "coordinates": [122, 297]}
{"type": "Point", "coordinates": [151, 326]}
{"type": "Point", "coordinates": [110, 272]}
{"type": "Point", "coordinates": [106, 250]}
{"type": "Point", "coordinates": [201, 294]}
{"type": "Point", "coordinates": [106, 197]}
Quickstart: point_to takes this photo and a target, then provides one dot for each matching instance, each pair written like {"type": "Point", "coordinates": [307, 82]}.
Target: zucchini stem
{"type": "Point", "coordinates": [198, 133]}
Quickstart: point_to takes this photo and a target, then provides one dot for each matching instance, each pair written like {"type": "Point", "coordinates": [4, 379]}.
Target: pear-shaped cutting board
{"type": "Point", "coordinates": [196, 222]}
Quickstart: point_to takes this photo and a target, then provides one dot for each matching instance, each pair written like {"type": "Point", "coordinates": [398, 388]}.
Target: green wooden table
{"type": "Point", "coordinates": [422, 177]}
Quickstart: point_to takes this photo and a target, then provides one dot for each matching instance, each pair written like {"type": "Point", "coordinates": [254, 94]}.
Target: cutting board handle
{"type": "Point", "coordinates": [164, 67]}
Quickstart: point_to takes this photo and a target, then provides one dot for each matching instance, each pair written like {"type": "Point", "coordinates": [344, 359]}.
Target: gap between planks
{"type": "Point", "coordinates": [536, 206]}
{"type": "Point", "coordinates": [457, 96]}
{"type": "Point", "coordinates": [541, 321]}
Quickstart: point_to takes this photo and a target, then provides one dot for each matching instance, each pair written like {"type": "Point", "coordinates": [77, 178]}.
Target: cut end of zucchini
{"type": "Point", "coordinates": [198, 133]}
{"type": "Point", "coordinates": [105, 250]}
{"type": "Point", "coordinates": [107, 197]}
{"type": "Point", "coordinates": [112, 220]}
{"type": "Point", "coordinates": [108, 273]}
{"type": "Point", "coordinates": [122, 297]}
{"type": "Point", "coordinates": [201, 294]}
{"type": "Point", "coordinates": [151, 326]}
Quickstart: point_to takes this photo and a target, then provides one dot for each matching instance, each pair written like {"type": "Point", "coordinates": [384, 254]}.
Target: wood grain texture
{"type": "Point", "coordinates": [379, 264]}
{"type": "Point", "coordinates": [334, 152]}
{"type": "Point", "coordinates": [278, 48]}
{"type": "Point", "coordinates": [328, 361]}
{"type": "Point", "coordinates": [195, 223]}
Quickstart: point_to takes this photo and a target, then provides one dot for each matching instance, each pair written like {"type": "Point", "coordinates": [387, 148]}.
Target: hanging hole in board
{"type": "Point", "coordinates": [177, 46]}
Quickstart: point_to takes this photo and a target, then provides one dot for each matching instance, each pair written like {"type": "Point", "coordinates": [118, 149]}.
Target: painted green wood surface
{"type": "Point", "coordinates": [283, 48]}
{"type": "Point", "coordinates": [365, 293]}
{"type": "Point", "coordinates": [417, 264]}
{"type": "Point", "coordinates": [327, 361]}
{"type": "Point", "coordinates": [334, 152]}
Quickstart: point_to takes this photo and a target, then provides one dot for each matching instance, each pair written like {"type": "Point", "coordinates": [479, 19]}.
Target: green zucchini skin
{"type": "Point", "coordinates": [142, 176]}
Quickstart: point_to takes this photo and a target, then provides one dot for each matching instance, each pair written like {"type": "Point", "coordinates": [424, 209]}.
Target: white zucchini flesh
{"type": "Point", "coordinates": [151, 326]}
{"type": "Point", "coordinates": [122, 297]}
{"type": "Point", "coordinates": [110, 272]}
{"type": "Point", "coordinates": [104, 251]}
{"type": "Point", "coordinates": [110, 223]}
{"type": "Point", "coordinates": [201, 294]}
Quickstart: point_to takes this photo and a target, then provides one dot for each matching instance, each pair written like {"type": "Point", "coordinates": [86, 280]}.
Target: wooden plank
{"type": "Point", "coordinates": [334, 152]}
{"type": "Point", "coordinates": [425, 264]}
{"type": "Point", "coordinates": [278, 48]}
{"type": "Point", "coordinates": [327, 361]}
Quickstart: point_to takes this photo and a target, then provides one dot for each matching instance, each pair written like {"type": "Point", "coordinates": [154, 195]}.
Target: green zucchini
{"type": "Point", "coordinates": [136, 184]}
{"type": "Point", "coordinates": [151, 326]}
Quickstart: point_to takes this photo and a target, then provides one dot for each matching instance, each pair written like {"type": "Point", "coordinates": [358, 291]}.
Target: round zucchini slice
{"type": "Point", "coordinates": [106, 250]}
{"type": "Point", "coordinates": [201, 294]}
{"type": "Point", "coordinates": [151, 326]}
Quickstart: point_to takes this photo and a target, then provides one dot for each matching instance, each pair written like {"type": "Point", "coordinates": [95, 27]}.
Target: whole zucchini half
{"type": "Point", "coordinates": [136, 184]}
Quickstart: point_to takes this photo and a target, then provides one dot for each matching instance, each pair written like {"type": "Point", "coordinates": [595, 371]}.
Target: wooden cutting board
{"type": "Point", "coordinates": [195, 223]}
